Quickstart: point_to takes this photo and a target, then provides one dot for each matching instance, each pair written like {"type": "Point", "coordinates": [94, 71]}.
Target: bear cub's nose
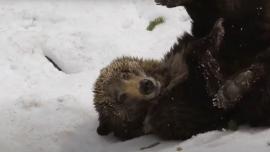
{"type": "Point", "coordinates": [146, 86]}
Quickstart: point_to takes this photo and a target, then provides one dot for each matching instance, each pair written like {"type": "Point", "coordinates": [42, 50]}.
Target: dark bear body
{"type": "Point", "coordinates": [247, 26]}
{"type": "Point", "coordinates": [247, 36]}
{"type": "Point", "coordinates": [129, 91]}
{"type": "Point", "coordinates": [178, 116]}
{"type": "Point", "coordinates": [186, 110]}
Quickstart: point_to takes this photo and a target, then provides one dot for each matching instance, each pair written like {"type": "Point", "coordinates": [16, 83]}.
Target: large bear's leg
{"type": "Point", "coordinates": [207, 63]}
{"type": "Point", "coordinates": [233, 89]}
{"type": "Point", "coordinates": [226, 93]}
{"type": "Point", "coordinates": [196, 48]}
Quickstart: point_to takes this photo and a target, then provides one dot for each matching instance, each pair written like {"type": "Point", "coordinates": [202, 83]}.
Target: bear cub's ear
{"type": "Point", "coordinates": [103, 129]}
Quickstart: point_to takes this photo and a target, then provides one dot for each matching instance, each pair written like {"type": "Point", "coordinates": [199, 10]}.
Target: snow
{"type": "Point", "coordinates": [46, 110]}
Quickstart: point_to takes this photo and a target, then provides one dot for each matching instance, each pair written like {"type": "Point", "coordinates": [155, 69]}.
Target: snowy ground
{"type": "Point", "coordinates": [46, 110]}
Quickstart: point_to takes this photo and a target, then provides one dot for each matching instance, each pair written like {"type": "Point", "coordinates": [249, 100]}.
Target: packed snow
{"type": "Point", "coordinates": [43, 109]}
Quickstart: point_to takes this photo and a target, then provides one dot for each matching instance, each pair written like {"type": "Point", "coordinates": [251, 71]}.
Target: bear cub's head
{"type": "Point", "coordinates": [122, 94]}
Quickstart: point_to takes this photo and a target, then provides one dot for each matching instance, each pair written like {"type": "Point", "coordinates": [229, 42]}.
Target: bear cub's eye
{"type": "Point", "coordinates": [125, 76]}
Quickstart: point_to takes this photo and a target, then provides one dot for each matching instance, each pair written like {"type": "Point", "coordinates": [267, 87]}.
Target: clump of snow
{"type": "Point", "coordinates": [43, 109]}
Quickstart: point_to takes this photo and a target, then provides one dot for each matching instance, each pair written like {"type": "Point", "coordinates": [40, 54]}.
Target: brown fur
{"type": "Point", "coordinates": [140, 114]}
{"type": "Point", "coordinates": [117, 98]}
{"type": "Point", "coordinates": [184, 110]}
